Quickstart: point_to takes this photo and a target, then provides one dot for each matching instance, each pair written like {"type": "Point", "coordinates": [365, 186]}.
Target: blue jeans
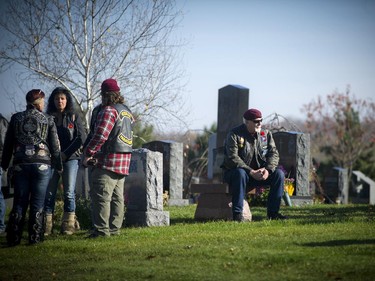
{"type": "Point", "coordinates": [2, 206]}
{"type": "Point", "coordinates": [69, 179]}
{"type": "Point", "coordinates": [239, 183]}
{"type": "Point", "coordinates": [30, 186]}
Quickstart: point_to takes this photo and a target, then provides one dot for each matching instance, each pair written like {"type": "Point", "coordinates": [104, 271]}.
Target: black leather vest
{"type": "Point", "coordinates": [120, 139]}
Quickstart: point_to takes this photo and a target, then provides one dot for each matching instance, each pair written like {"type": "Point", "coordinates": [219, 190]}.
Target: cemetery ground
{"type": "Point", "coordinates": [318, 242]}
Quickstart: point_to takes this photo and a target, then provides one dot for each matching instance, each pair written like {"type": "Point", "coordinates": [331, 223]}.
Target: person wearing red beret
{"type": "Point", "coordinates": [108, 152]}
{"type": "Point", "coordinates": [33, 143]}
{"type": "Point", "coordinates": [250, 160]}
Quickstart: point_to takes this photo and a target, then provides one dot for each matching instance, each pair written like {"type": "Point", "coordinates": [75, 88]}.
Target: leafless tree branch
{"type": "Point", "coordinates": [78, 44]}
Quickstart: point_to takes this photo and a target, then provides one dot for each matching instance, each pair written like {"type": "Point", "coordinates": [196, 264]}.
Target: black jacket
{"type": "Point", "coordinates": [32, 139]}
{"type": "Point", "coordinates": [241, 147]}
{"type": "Point", "coordinates": [71, 135]}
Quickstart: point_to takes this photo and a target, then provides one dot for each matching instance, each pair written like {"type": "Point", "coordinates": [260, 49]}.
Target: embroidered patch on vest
{"type": "Point", "coordinates": [125, 140]}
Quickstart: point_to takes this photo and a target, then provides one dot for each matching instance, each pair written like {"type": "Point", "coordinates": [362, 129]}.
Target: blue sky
{"type": "Point", "coordinates": [287, 52]}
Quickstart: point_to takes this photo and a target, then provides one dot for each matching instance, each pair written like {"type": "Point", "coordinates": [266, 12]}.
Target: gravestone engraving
{"type": "Point", "coordinates": [144, 190]}
{"type": "Point", "coordinates": [172, 169]}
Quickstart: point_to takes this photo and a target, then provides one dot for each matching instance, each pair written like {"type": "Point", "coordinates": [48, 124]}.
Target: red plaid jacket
{"type": "Point", "coordinates": [116, 162]}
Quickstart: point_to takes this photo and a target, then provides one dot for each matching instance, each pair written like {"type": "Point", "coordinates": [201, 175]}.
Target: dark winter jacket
{"type": "Point", "coordinates": [241, 147]}
{"type": "Point", "coordinates": [71, 135]}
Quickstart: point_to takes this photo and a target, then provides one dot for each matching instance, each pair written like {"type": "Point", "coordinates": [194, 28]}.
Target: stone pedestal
{"type": "Point", "coordinates": [172, 169]}
{"type": "Point", "coordinates": [144, 190]}
{"type": "Point", "coordinates": [215, 203]}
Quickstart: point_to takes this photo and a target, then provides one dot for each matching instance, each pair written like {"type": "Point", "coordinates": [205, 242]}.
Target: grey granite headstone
{"type": "Point", "coordinates": [294, 150]}
{"type": "Point", "coordinates": [172, 169]}
{"type": "Point", "coordinates": [144, 190]}
{"type": "Point", "coordinates": [82, 183]}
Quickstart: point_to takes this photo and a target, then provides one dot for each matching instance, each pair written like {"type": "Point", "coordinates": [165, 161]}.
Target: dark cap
{"type": "Point", "coordinates": [34, 96]}
{"type": "Point", "coordinates": [252, 114]}
{"type": "Point", "coordinates": [110, 85]}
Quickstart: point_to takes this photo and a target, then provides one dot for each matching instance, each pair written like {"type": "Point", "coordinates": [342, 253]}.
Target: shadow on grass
{"type": "Point", "coordinates": [184, 221]}
{"type": "Point", "coordinates": [345, 242]}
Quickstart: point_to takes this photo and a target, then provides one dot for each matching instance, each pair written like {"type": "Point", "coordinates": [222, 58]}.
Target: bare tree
{"type": "Point", "coordinates": [342, 127]}
{"type": "Point", "coordinates": [78, 44]}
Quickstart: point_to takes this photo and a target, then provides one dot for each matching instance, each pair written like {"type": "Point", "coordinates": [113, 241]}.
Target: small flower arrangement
{"type": "Point", "coordinates": [289, 186]}
{"type": "Point", "coordinates": [288, 182]}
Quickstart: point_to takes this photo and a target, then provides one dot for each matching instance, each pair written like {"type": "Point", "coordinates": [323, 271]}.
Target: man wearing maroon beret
{"type": "Point", "coordinates": [108, 151]}
{"type": "Point", "coordinates": [251, 160]}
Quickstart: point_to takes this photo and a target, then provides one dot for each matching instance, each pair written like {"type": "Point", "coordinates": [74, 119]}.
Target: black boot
{"type": "Point", "coordinates": [276, 216]}
{"type": "Point", "coordinates": [238, 217]}
{"type": "Point", "coordinates": [36, 228]}
{"type": "Point", "coordinates": [14, 229]}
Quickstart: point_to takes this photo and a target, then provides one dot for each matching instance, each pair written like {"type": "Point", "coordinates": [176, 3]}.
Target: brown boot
{"type": "Point", "coordinates": [49, 225]}
{"type": "Point", "coordinates": [76, 224]}
{"type": "Point", "coordinates": [68, 223]}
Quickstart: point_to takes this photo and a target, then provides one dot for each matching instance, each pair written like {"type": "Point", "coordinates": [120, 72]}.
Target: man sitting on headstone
{"type": "Point", "coordinates": [250, 160]}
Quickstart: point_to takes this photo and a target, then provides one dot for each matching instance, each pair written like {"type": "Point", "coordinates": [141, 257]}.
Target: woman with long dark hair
{"type": "Point", "coordinates": [71, 135]}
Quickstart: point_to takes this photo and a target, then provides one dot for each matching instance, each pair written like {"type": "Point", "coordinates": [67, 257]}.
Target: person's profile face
{"type": "Point", "coordinates": [254, 125]}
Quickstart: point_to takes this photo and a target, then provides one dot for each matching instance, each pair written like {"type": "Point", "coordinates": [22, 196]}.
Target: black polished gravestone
{"type": "Point", "coordinates": [294, 150]}
{"type": "Point", "coordinates": [233, 102]}
{"type": "Point", "coordinates": [336, 185]}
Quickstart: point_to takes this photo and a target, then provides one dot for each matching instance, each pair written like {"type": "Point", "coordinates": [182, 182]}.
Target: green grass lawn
{"type": "Point", "coordinates": [320, 242]}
